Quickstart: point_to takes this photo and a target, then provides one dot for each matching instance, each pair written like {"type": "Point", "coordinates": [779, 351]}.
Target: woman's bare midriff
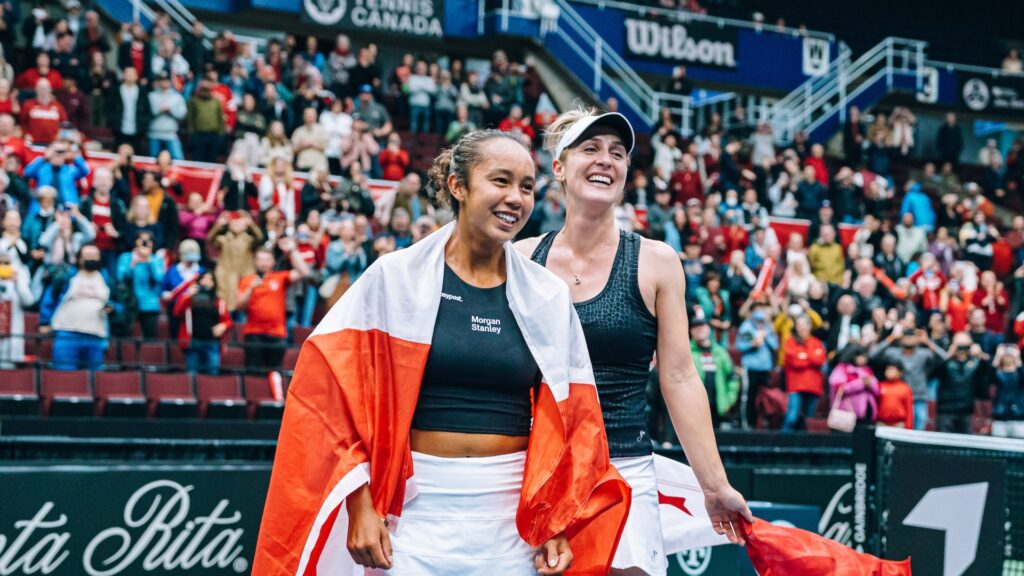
{"type": "Point", "coordinates": [458, 445]}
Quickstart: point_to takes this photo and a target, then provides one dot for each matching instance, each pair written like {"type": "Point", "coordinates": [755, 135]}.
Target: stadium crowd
{"type": "Point", "coordinates": [905, 292]}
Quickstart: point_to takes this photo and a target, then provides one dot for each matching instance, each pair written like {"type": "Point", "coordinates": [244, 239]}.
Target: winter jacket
{"type": "Point", "coordinates": [920, 205]}
{"type": "Point", "coordinates": [165, 125]}
{"type": "Point", "coordinates": [859, 397]}
{"type": "Point", "coordinates": [145, 277]}
{"type": "Point", "coordinates": [64, 179]}
{"type": "Point", "coordinates": [727, 384]}
{"type": "Point", "coordinates": [761, 358]}
{"type": "Point", "coordinates": [958, 386]}
{"type": "Point", "coordinates": [802, 363]}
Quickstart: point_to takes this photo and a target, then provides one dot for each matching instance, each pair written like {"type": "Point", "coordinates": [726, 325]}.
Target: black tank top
{"type": "Point", "coordinates": [479, 371]}
{"type": "Point", "coordinates": [621, 335]}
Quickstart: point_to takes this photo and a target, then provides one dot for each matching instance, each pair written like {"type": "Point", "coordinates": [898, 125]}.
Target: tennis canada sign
{"type": "Point", "coordinates": [411, 17]}
{"type": "Point", "coordinates": [160, 533]}
{"type": "Point", "coordinates": [694, 43]}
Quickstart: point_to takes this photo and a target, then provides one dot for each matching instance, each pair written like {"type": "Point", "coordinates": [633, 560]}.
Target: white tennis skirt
{"type": "Point", "coordinates": [462, 519]}
{"type": "Point", "coordinates": [641, 546]}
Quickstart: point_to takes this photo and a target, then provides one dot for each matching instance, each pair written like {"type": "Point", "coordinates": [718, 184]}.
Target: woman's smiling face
{"type": "Point", "coordinates": [594, 170]}
{"type": "Point", "coordinates": [499, 197]}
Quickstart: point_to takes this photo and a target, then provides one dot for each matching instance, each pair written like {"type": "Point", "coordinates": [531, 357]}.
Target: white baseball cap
{"type": "Point", "coordinates": [614, 120]}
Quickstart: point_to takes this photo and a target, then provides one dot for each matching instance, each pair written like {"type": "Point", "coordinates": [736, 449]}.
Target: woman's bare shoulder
{"type": "Point", "coordinates": [527, 246]}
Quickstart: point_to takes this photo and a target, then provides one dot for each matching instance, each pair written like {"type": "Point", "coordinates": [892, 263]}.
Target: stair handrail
{"type": "Point", "coordinates": [608, 56]}
{"type": "Point", "coordinates": [799, 106]}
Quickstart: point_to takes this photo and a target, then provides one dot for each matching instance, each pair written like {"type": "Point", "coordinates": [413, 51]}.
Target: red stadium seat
{"type": "Point", "coordinates": [163, 329]}
{"type": "Point", "coordinates": [18, 392]}
{"type": "Point", "coordinates": [44, 349]}
{"type": "Point", "coordinates": [219, 397]}
{"type": "Point", "coordinates": [119, 394]}
{"type": "Point", "coordinates": [31, 322]}
{"type": "Point", "coordinates": [261, 400]}
{"type": "Point", "coordinates": [153, 354]}
{"type": "Point", "coordinates": [291, 358]}
{"type": "Point", "coordinates": [66, 393]}
{"type": "Point", "coordinates": [170, 395]}
{"type": "Point", "coordinates": [176, 355]}
{"type": "Point", "coordinates": [233, 357]}
{"type": "Point", "coordinates": [129, 352]}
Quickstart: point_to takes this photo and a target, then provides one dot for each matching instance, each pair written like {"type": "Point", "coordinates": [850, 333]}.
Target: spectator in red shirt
{"type": "Point", "coordinates": [685, 182]}
{"type": "Point", "coordinates": [75, 103]}
{"type": "Point", "coordinates": [817, 161]}
{"type": "Point", "coordinates": [135, 52]}
{"type": "Point", "coordinates": [9, 103]}
{"type": "Point", "coordinates": [804, 355]}
{"type": "Point", "coordinates": [264, 295]}
{"type": "Point", "coordinates": [394, 161]}
{"type": "Point", "coordinates": [29, 79]}
{"type": "Point", "coordinates": [928, 282]}
{"type": "Point", "coordinates": [515, 121]}
{"type": "Point", "coordinates": [991, 298]}
{"type": "Point", "coordinates": [107, 215]}
{"type": "Point", "coordinates": [10, 143]}
{"type": "Point", "coordinates": [41, 117]}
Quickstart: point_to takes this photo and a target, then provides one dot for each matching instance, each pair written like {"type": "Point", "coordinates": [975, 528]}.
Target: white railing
{"type": "Point", "coordinates": [817, 99]}
{"type": "Point", "coordinates": [184, 18]}
{"type": "Point", "coordinates": [721, 22]}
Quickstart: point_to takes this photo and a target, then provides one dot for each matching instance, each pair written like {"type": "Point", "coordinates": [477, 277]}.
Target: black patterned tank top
{"type": "Point", "coordinates": [621, 335]}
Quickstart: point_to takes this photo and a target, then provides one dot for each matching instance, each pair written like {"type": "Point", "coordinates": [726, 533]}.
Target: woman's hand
{"type": "Point", "coordinates": [368, 540]}
{"type": "Point", "coordinates": [727, 509]}
{"type": "Point", "coordinates": [553, 557]}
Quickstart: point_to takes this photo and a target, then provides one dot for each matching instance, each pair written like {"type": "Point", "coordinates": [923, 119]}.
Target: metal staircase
{"type": "Point", "coordinates": [818, 106]}
{"type": "Point", "coordinates": [141, 10]}
{"type": "Point", "coordinates": [584, 53]}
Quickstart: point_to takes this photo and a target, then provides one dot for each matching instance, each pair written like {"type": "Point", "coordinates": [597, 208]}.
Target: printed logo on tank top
{"type": "Point", "coordinates": [451, 297]}
{"type": "Point", "coordinates": [486, 325]}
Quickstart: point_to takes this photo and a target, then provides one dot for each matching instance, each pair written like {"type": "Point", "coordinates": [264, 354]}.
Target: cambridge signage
{"type": "Point", "coordinates": [692, 43]}
{"type": "Point", "coordinates": [127, 520]}
{"type": "Point", "coordinates": [409, 17]}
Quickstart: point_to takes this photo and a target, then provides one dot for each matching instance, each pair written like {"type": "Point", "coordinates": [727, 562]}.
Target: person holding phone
{"type": "Point", "coordinates": [920, 357]}
{"type": "Point", "coordinates": [264, 296]}
{"type": "Point", "coordinates": [144, 272]}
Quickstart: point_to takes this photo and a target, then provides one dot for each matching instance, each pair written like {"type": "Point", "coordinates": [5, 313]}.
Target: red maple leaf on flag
{"type": "Point", "coordinates": [674, 501]}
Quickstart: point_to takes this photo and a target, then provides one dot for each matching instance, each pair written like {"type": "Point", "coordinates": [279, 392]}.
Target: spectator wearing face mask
{"type": "Point", "coordinates": [76, 311]}
{"type": "Point", "coordinates": [179, 276]}
{"type": "Point", "coordinates": [757, 342]}
{"type": "Point", "coordinates": [203, 320]}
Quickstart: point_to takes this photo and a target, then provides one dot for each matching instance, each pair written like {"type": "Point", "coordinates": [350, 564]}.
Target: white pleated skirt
{"type": "Point", "coordinates": [641, 546]}
{"type": "Point", "coordinates": [462, 519]}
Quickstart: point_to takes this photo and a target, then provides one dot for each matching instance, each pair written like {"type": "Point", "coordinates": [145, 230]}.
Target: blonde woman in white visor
{"type": "Point", "coordinates": [629, 293]}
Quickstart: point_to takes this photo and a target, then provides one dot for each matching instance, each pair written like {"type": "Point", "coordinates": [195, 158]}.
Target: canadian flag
{"type": "Point", "coordinates": [685, 524]}
{"type": "Point", "coordinates": [774, 550]}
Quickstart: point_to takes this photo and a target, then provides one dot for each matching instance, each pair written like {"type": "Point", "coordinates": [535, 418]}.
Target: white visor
{"type": "Point", "coordinates": [613, 120]}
